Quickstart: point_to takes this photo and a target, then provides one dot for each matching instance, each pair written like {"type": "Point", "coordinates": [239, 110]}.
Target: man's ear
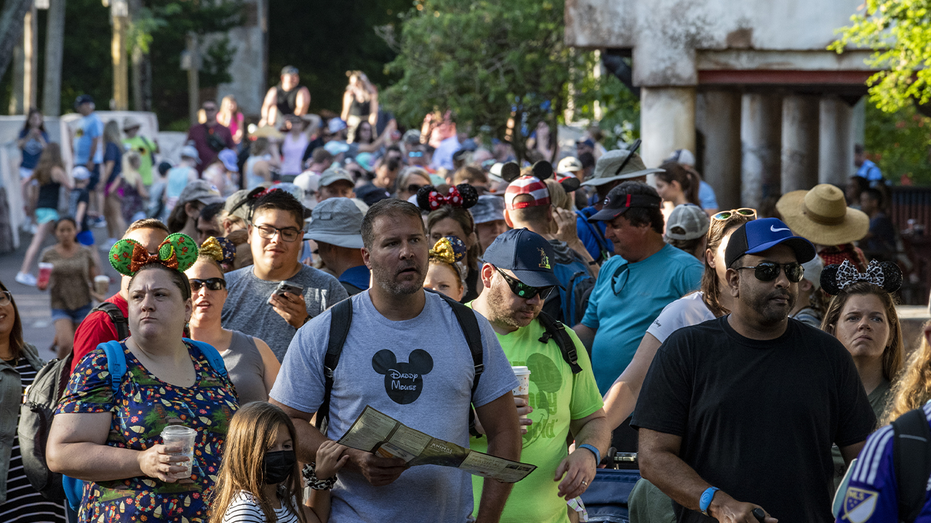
{"type": "Point", "coordinates": [507, 219]}
{"type": "Point", "coordinates": [733, 282]}
{"type": "Point", "coordinates": [488, 272]}
{"type": "Point", "coordinates": [366, 256]}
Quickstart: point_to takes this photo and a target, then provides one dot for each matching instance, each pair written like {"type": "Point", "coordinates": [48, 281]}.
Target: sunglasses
{"type": "Point", "coordinates": [726, 215]}
{"type": "Point", "coordinates": [769, 271]}
{"type": "Point", "coordinates": [522, 289]}
{"type": "Point", "coordinates": [413, 188]}
{"type": "Point", "coordinates": [213, 284]}
{"type": "Point", "coordinates": [415, 154]}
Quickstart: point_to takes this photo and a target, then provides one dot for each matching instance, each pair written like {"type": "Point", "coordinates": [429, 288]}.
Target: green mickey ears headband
{"type": "Point", "coordinates": [178, 251]}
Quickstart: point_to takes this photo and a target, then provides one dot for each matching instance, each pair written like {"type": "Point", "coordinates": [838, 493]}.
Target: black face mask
{"type": "Point", "coordinates": [277, 466]}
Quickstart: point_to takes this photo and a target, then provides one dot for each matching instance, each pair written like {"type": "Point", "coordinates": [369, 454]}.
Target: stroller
{"type": "Point", "coordinates": [606, 498]}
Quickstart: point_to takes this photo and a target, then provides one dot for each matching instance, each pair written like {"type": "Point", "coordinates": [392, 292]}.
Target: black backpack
{"type": "Point", "coordinates": [38, 409]}
{"type": "Point", "coordinates": [341, 319]}
{"type": "Point", "coordinates": [911, 456]}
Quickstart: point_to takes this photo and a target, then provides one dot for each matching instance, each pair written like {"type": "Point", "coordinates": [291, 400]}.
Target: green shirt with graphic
{"type": "Point", "coordinates": [557, 397]}
{"type": "Point", "coordinates": [144, 147]}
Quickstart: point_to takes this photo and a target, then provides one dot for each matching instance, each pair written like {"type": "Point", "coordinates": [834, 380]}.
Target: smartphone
{"type": "Point", "coordinates": [284, 287]}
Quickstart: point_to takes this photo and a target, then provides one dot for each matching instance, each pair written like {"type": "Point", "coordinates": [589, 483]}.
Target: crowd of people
{"type": "Point", "coordinates": [275, 284]}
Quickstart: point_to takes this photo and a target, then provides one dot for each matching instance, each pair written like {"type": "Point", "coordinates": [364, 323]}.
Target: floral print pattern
{"type": "Point", "coordinates": [143, 407]}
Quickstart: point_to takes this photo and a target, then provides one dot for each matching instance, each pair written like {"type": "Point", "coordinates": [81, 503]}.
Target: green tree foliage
{"type": "Point", "coordinates": [899, 31]}
{"type": "Point", "coordinates": [488, 62]}
{"type": "Point", "coordinates": [899, 143]}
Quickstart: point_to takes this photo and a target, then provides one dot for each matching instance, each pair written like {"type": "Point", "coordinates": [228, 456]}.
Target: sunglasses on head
{"type": "Point", "coordinates": [769, 271]}
{"type": "Point", "coordinates": [522, 289]}
{"type": "Point", "coordinates": [726, 215]}
{"type": "Point", "coordinates": [213, 284]}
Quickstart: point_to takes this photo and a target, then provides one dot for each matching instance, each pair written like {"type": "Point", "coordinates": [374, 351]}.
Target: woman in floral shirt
{"type": "Point", "coordinates": [112, 441]}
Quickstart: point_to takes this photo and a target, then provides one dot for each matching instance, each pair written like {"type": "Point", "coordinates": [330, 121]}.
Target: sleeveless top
{"type": "Point", "coordinates": [48, 196]}
{"type": "Point", "coordinates": [360, 109]}
{"type": "Point", "coordinates": [286, 100]}
{"type": "Point", "coordinates": [246, 368]}
{"type": "Point", "coordinates": [292, 153]}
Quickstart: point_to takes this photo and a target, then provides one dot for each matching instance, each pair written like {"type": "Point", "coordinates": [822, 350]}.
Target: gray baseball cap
{"type": "Point", "coordinates": [687, 222]}
{"type": "Point", "coordinates": [334, 174]}
{"type": "Point", "coordinates": [201, 191]}
{"type": "Point", "coordinates": [488, 209]}
{"type": "Point", "coordinates": [337, 221]}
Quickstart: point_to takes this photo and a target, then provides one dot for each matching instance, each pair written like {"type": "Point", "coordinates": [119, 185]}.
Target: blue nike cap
{"type": "Point", "coordinates": [526, 254]}
{"type": "Point", "coordinates": [759, 235]}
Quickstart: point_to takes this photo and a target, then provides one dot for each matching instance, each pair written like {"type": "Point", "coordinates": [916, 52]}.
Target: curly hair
{"type": "Point", "coordinates": [913, 388]}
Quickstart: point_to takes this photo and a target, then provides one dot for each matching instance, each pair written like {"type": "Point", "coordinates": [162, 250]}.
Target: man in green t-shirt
{"type": "Point", "coordinates": [517, 275]}
{"type": "Point", "coordinates": [142, 145]}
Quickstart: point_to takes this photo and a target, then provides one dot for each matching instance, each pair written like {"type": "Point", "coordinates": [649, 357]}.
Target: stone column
{"type": "Point", "coordinates": [667, 122]}
{"type": "Point", "coordinates": [760, 136]}
{"type": "Point", "coordinates": [717, 120]}
{"type": "Point", "coordinates": [799, 142]}
{"type": "Point", "coordinates": [835, 162]}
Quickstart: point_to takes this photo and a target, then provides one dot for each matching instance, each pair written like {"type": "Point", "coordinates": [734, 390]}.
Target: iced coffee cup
{"type": "Point", "coordinates": [45, 272]}
{"type": "Point", "coordinates": [178, 436]}
{"type": "Point", "coordinates": [101, 284]}
{"type": "Point", "coordinates": [523, 383]}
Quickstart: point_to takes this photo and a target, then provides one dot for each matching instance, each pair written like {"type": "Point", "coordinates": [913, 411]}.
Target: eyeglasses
{"type": "Point", "coordinates": [726, 215]}
{"type": "Point", "coordinates": [769, 271]}
{"type": "Point", "coordinates": [522, 289]}
{"type": "Point", "coordinates": [6, 298]}
{"type": "Point", "coordinates": [213, 284]}
{"type": "Point", "coordinates": [212, 109]}
{"type": "Point", "coordinates": [288, 234]}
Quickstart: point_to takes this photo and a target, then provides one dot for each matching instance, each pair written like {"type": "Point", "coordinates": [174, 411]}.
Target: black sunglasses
{"type": "Point", "coordinates": [522, 289]}
{"type": "Point", "coordinates": [769, 271]}
{"type": "Point", "coordinates": [413, 188]}
{"type": "Point", "coordinates": [213, 284]}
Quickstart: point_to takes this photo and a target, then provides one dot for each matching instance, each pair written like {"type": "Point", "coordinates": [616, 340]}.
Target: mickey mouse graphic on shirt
{"type": "Point", "coordinates": [403, 381]}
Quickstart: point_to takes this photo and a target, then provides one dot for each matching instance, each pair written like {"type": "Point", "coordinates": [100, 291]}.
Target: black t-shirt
{"type": "Point", "coordinates": [758, 418]}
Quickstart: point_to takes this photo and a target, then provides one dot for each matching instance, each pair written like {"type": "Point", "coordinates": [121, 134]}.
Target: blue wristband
{"type": "Point", "coordinates": [705, 501]}
{"type": "Point", "coordinates": [593, 450]}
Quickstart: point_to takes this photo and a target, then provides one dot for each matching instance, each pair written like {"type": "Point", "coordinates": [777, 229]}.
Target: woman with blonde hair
{"type": "Point", "coordinates": [360, 102]}
{"type": "Point", "coordinates": [230, 116]}
{"type": "Point", "coordinates": [913, 388]}
{"type": "Point", "coordinates": [50, 173]}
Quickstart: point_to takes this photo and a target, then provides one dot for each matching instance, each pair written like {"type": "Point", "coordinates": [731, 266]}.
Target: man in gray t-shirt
{"type": "Point", "coordinates": [406, 356]}
{"type": "Point", "coordinates": [251, 306]}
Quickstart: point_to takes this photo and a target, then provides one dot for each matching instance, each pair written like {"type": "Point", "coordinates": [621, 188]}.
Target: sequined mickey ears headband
{"type": "Point", "coordinates": [220, 249]}
{"type": "Point", "coordinates": [450, 250]}
{"type": "Point", "coordinates": [178, 251]}
{"type": "Point", "coordinates": [836, 278]}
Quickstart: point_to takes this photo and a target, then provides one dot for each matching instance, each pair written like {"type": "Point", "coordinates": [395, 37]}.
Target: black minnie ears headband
{"type": "Point", "coordinates": [836, 278]}
{"type": "Point", "coordinates": [462, 195]}
{"type": "Point", "coordinates": [541, 170]}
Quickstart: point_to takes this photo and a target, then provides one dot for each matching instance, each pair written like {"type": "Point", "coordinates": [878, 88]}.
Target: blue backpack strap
{"type": "Point", "coordinates": [116, 363]}
{"type": "Point", "coordinates": [212, 355]}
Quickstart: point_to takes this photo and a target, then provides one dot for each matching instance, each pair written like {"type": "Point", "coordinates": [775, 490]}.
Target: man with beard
{"type": "Point", "coordinates": [737, 415]}
{"type": "Point", "coordinates": [406, 355]}
{"type": "Point", "coordinates": [517, 275]}
{"type": "Point", "coordinates": [255, 305]}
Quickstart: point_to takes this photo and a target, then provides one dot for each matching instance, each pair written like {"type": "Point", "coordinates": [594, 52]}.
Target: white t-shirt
{"type": "Point", "coordinates": [690, 310]}
{"type": "Point", "coordinates": [418, 371]}
{"type": "Point", "coordinates": [245, 509]}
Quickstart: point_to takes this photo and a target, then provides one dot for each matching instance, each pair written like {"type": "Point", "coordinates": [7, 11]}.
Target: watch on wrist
{"type": "Point", "coordinates": [705, 501]}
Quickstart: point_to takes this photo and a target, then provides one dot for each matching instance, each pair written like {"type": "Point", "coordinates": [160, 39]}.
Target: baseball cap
{"type": "Point", "coordinates": [759, 235]}
{"type": "Point", "coordinates": [83, 99]}
{"type": "Point", "coordinates": [569, 164]}
{"type": "Point", "coordinates": [229, 158]}
{"type": "Point", "coordinates": [619, 201]}
{"type": "Point", "coordinates": [364, 160]}
{"type": "Point", "coordinates": [526, 185]}
{"type": "Point", "coordinates": [813, 270]}
{"type": "Point", "coordinates": [130, 122]}
{"type": "Point", "coordinates": [337, 221]}
{"type": "Point", "coordinates": [335, 125]}
{"type": "Point", "coordinates": [335, 174]}
{"type": "Point", "coordinates": [488, 209]}
{"type": "Point", "coordinates": [687, 222]}
{"type": "Point", "coordinates": [335, 148]}
{"type": "Point", "coordinates": [370, 194]}
{"type": "Point", "coordinates": [289, 69]}
{"type": "Point", "coordinates": [526, 254]}
{"type": "Point", "coordinates": [683, 156]}
{"type": "Point", "coordinates": [238, 205]}
{"type": "Point", "coordinates": [190, 151]}
{"type": "Point", "coordinates": [80, 173]}
{"type": "Point", "coordinates": [201, 191]}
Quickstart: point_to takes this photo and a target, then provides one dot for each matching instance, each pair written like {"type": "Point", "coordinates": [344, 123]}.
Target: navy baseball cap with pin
{"type": "Point", "coordinates": [756, 236]}
{"type": "Point", "coordinates": [526, 254]}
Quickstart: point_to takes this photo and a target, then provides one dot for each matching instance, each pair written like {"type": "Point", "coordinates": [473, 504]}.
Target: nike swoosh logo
{"type": "Point", "coordinates": [774, 229]}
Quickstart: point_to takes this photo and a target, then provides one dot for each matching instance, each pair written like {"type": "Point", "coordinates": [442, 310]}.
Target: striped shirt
{"type": "Point", "coordinates": [245, 509]}
{"type": "Point", "coordinates": [23, 503]}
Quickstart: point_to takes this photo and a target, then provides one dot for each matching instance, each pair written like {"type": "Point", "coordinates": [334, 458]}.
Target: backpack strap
{"type": "Point", "coordinates": [473, 335]}
{"type": "Point", "coordinates": [116, 316]}
{"type": "Point", "coordinates": [340, 320]}
{"type": "Point", "coordinates": [116, 363]}
{"type": "Point", "coordinates": [596, 233]}
{"type": "Point", "coordinates": [211, 354]}
{"type": "Point", "coordinates": [556, 330]}
{"type": "Point", "coordinates": [911, 454]}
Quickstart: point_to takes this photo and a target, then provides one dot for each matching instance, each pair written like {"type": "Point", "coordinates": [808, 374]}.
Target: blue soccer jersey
{"type": "Point", "coordinates": [872, 494]}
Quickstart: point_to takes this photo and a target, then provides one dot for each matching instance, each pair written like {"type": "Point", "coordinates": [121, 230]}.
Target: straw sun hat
{"type": "Point", "coordinates": [821, 216]}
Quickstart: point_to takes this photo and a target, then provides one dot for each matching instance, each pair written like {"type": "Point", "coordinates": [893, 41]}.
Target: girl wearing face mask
{"type": "Point", "coordinates": [259, 481]}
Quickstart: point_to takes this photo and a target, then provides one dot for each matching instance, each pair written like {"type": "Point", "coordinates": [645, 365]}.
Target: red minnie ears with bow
{"type": "Point", "coordinates": [462, 195]}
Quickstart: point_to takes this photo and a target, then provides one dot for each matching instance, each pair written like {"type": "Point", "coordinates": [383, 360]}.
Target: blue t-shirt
{"type": "Point", "coordinates": [706, 196]}
{"type": "Point", "coordinates": [627, 298]}
{"type": "Point", "coordinates": [114, 153]}
{"type": "Point", "coordinates": [358, 277]}
{"type": "Point", "coordinates": [872, 494]}
{"type": "Point", "coordinates": [91, 127]}
{"type": "Point", "coordinates": [32, 149]}
{"type": "Point", "coordinates": [586, 231]}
